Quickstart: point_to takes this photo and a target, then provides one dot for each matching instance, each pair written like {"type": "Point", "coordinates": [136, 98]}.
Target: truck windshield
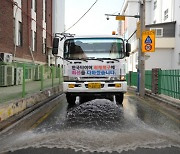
{"type": "Point", "coordinates": [93, 48]}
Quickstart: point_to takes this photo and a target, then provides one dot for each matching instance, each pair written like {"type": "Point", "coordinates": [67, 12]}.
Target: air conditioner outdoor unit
{"type": "Point", "coordinates": [18, 73]}
{"type": "Point", "coordinates": [6, 75]}
{"type": "Point", "coordinates": [6, 57]}
{"type": "Point", "coordinates": [37, 73]}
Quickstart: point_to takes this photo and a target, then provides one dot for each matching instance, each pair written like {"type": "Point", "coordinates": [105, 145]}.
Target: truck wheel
{"type": "Point", "coordinates": [70, 99]}
{"type": "Point", "coordinates": [111, 98]}
{"type": "Point", "coordinates": [119, 98]}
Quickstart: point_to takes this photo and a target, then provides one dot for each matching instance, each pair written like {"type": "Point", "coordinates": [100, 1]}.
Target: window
{"type": "Point", "coordinates": [158, 31]}
{"type": "Point", "coordinates": [34, 5]}
{"type": "Point", "coordinates": [44, 45]}
{"type": "Point", "coordinates": [35, 41]}
{"type": "Point", "coordinates": [165, 14]}
{"type": "Point", "coordinates": [20, 34]}
{"type": "Point", "coordinates": [45, 10]}
{"type": "Point", "coordinates": [14, 31]}
{"type": "Point", "coordinates": [155, 4]}
{"type": "Point", "coordinates": [94, 48]}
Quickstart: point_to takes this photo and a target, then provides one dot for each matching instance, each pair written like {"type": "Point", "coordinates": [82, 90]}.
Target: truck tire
{"type": "Point", "coordinates": [70, 99]}
{"type": "Point", "coordinates": [119, 98]}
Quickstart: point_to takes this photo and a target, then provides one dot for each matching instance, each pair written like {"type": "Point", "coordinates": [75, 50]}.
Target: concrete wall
{"type": "Point", "coordinates": [161, 59]}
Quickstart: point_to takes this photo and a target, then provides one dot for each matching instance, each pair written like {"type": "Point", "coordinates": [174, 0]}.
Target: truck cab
{"type": "Point", "coordinates": [94, 67]}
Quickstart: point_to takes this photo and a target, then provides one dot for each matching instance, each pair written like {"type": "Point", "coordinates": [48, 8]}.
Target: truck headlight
{"type": "Point", "coordinates": [71, 85]}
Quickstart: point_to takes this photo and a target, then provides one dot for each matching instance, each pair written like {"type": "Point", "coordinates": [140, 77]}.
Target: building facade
{"type": "Point", "coordinates": [26, 30]}
{"type": "Point", "coordinates": [161, 16]}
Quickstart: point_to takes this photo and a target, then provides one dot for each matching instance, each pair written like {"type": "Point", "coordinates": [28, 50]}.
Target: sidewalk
{"type": "Point", "coordinates": [15, 92]}
{"type": "Point", "coordinates": [163, 98]}
{"type": "Point", "coordinates": [12, 103]}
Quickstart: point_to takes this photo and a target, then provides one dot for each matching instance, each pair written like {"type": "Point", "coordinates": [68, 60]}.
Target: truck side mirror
{"type": "Point", "coordinates": [128, 49]}
{"type": "Point", "coordinates": [55, 46]}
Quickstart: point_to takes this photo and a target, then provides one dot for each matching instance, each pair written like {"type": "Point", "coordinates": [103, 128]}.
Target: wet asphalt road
{"type": "Point", "coordinates": [100, 126]}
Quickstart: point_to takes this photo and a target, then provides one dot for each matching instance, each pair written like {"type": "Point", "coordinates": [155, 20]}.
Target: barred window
{"type": "Point", "coordinates": [166, 14]}
{"type": "Point", "coordinates": [155, 4]}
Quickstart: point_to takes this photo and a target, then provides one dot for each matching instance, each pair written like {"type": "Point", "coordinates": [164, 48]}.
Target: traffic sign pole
{"type": "Point", "coordinates": [141, 58]}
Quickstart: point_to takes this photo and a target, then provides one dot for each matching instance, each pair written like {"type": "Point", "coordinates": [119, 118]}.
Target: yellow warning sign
{"type": "Point", "coordinates": [148, 41]}
{"type": "Point", "coordinates": [120, 17]}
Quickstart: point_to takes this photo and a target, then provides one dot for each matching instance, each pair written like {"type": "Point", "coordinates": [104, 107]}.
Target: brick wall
{"type": "Point", "coordinates": [6, 26]}
{"type": "Point", "coordinates": [38, 55]}
{"type": "Point", "coordinates": [49, 23]}
{"type": "Point", "coordinates": [6, 32]}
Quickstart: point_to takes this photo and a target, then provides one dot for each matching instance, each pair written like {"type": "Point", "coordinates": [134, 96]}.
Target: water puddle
{"type": "Point", "coordinates": [97, 125]}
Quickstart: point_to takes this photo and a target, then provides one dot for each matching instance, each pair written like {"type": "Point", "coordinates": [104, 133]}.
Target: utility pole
{"type": "Point", "coordinates": [141, 57]}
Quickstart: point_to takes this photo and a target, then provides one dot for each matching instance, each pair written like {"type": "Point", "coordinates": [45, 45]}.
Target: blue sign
{"type": "Point", "coordinates": [148, 40]}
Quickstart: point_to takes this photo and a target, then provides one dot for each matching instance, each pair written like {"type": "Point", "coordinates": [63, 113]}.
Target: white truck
{"type": "Point", "coordinates": [94, 67]}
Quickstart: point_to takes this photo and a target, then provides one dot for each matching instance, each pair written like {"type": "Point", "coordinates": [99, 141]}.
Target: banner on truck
{"type": "Point", "coordinates": [93, 70]}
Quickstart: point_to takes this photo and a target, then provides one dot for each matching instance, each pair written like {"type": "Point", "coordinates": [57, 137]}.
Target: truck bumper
{"type": "Point", "coordinates": [86, 87]}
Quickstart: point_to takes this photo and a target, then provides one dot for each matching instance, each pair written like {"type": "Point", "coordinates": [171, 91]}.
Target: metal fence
{"type": "Point", "coordinates": [134, 80]}
{"type": "Point", "coordinates": [168, 81]}
{"type": "Point", "coordinates": [19, 80]}
{"type": "Point", "coordinates": [148, 79]}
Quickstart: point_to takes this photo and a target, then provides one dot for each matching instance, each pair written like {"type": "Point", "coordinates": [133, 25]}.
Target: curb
{"type": "Point", "coordinates": [16, 122]}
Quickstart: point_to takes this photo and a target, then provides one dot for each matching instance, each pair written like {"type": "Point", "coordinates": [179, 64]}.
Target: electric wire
{"type": "Point", "coordinates": [81, 16]}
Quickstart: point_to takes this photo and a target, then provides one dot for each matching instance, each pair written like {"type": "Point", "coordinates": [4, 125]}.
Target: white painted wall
{"type": "Point", "coordinates": [160, 59]}
{"type": "Point", "coordinates": [176, 56]}
{"type": "Point", "coordinates": [58, 20]}
{"type": "Point", "coordinates": [157, 13]}
{"type": "Point", "coordinates": [58, 16]}
{"type": "Point", "coordinates": [168, 4]}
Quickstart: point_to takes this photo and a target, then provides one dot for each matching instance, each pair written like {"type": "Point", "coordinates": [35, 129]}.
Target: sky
{"type": "Point", "coordinates": [94, 22]}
